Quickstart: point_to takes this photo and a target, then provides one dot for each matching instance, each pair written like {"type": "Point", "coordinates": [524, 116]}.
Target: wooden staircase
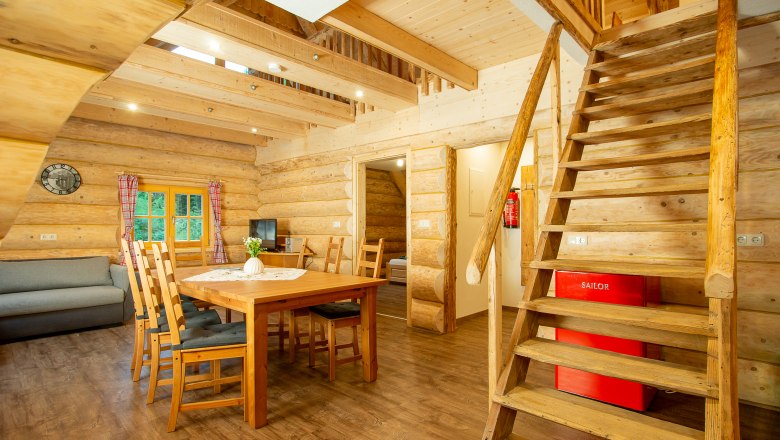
{"type": "Point", "coordinates": [639, 74]}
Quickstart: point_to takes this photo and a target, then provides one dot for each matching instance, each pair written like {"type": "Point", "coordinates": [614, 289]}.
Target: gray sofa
{"type": "Point", "coordinates": [47, 296]}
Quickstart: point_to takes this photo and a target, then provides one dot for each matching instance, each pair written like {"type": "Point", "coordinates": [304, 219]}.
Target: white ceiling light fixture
{"type": "Point", "coordinates": [359, 93]}
{"type": "Point", "coordinates": [254, 130]}
{"type": "Point", "coordinates": [400, 163]}
{"type": "Point", "coordinates": [308, 10]}
{"type": "Point", "coordinates": [274, 67]}
{"type": "Point", "coordinates": [214, 45]}
{"type": "Point", "coordinates": [132, 106]}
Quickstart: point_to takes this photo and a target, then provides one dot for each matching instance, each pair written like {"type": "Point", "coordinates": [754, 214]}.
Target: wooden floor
{"type": "Point", "coordinates": [430, 387]}
{"type": "Point", "coordinates": [391, 300]}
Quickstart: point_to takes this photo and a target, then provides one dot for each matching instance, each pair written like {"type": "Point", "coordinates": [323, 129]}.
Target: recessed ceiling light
{"type": "Point", "coordinates": [274, 67]}
{"type": "Point", "coordinates": [214, 45]}
{"type": "Point", "coordinates": [359, 93]}
{"type": "Point", "coordinates": [132, 106]}
{"type": "Point", "coordinates": [254, 130]}
{"type": "Point", "coordinates": [400, 163]}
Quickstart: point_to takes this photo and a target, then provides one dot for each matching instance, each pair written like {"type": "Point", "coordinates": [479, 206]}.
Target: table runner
{"type": "Point", "coordinates": [237, 274]}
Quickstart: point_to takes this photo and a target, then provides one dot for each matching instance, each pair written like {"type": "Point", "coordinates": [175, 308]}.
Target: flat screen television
{"type": "Point", "coordinates": [264, 229]}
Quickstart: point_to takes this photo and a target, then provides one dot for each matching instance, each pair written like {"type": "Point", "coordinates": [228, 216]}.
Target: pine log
{"type": "Point", "coordinates": [37, 254]}
{"type": "Point", "coordinates": [310, 193]}
{"type": "Point", "coordinates": [337, 172]}
{"type": "Point", "coordinates": [385, 220]}
{"type": "Point", "coordinates": [429, 202]}
{"type": "Point", "coordinates": [392, 233]}
{"type": "Point", "coordinates": [85, 195]}
{"type": "Point", "coordinates": [375, 174]}
{"type": "Point", "coordinates": [429, 253]}
{"type": "Point", "coordinates": [239, 201]}
{"type": "Point", "coordinates": [106, 133]}
{"type": "Point", "coordinates": [431, 181]}
{"type": "Point", "coordinates": [427, 282]}
{"type": "Point", "coordinates": [395, 199]}
{"type": "Point", "coordinates": [385, 209]}
{"type": "Point", "coordinates": [437, 228]}
{"type": "Point", "coordinates": [306, 209]}
{"type": "Point", "coordinates": [65, 214]}
{"type": "Point", "coordinates": [382, 186]}
{"type": "Point", "coordinates": [68, 237]}
{"type": "Point", "coordinates": [238, 217]}
{"type": "Point", "coordinates": [314, 226]}
{"type": "Point", "coordinates": [428, 159]}
{"type": "Point", "coordinates": [427, 315]}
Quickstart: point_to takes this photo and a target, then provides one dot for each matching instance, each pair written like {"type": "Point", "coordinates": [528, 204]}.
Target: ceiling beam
{"type": "Point", "coordinates": [252, 43]}
{"type": "Point", "coordinates": [170, 71]}
{"type": "Point", "coordinates": [373, 29]}
{"type": "Point", "coordinates": [152, 122]}
{"type": "Point", "coordinates": [117, 93]}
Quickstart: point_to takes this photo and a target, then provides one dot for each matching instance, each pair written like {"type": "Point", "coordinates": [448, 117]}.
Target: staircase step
{"type": "Point", "coordinates": [627, 227]}
{"type": "Point", "coordinates": [690, 126]}
{"type": "Point", "coordinates": [657, 56]}
{"type": "Point", "coordinates": [644, 317]}
{"type": "Point", "coordinates": [670, 98]}
{"type": "Point", "coordinates": [665, 75]}
{"type": "Point", "coordinates": [660, 190]}
{"type": "Point", "coordinates": [660, 374]}
{"type": "Point", "coordinates": [590, 416]}
{"type": "Point", "coordinates": [677, 156]}
{"type": "Point", "coordinates": [619, 267]}
{"type": "Point", "coordinates": [658, 29]}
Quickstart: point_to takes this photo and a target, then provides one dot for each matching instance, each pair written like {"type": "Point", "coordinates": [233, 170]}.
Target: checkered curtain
{"type": "Point", "coordinates": [128, 189]}
{"type": "Point", "coordinates": [215, 190]}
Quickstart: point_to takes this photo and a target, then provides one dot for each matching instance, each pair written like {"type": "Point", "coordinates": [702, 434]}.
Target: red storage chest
{"type": "Point", "coordinates": [615, 289]}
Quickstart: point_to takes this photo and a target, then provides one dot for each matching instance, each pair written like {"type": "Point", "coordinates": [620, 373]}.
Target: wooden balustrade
{"type": "Point", "coordinates": [495, 207]}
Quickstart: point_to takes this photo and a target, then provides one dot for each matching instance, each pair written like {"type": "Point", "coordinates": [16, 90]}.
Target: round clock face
{"type": "Point", "coordinates": [60, 179]}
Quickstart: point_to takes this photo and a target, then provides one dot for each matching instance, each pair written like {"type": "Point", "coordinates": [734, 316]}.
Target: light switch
{"type": "Point", "coordinates": [425, 224]}
{"type": "Point", "coordinates": [578, 240]}
{"type": "Point", "coordinates": [48, 236]}
{"type": "Point", "coordinates": [336, 224]}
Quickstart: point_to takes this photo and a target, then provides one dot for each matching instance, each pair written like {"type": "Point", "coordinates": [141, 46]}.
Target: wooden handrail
{"type": "Point", "coordinates": [719, 281]}
{"type": "Point", "coordinates": [506, 174]}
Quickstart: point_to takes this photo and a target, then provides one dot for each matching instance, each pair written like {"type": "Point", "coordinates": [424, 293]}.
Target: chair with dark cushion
{"type": "Point", "coordinates": [156, 322]}
{"type": "Point", "coordinates": [195, 345]}
{"type": "Point", "coordinates": [338, 315]}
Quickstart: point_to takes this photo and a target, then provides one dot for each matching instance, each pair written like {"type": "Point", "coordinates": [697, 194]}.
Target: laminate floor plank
{"type": "Point", "coordinates": [78, 385]}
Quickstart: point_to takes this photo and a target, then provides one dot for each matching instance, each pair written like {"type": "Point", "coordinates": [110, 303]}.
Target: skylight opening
{"type": "Point", "coordinates": [189, 53]}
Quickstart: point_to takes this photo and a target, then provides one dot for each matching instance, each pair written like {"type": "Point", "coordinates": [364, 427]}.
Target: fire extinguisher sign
{"type": "Point", "coordinates": [512, 210]}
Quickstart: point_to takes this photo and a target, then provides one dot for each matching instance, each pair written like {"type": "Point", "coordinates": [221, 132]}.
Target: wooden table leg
{"type": "Point", "coordinates": [257, 365]}
{"type": "Point", "coordinates": [368, 326]}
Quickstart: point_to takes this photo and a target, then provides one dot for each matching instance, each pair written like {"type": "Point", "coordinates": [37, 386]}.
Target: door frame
{"type": "Point", "coordinates": [359, 204]}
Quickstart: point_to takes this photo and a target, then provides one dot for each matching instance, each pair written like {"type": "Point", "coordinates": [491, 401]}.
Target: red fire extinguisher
{"type": "Point", "coordinates": [512, 210]}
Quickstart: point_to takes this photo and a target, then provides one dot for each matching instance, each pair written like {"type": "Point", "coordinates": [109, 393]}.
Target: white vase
{"type": "Point", "coordinates": [253, 266]}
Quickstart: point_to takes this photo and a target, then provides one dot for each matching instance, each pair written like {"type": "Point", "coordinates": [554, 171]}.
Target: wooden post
{"type": "Point", "coordinates": [495, 326]}
{"type": "Point", "coordinates": [508, 168]}
{"type": "Point", "coordinates": [722, 414]}
{"type": "Point", "coordinates": [555, 106]}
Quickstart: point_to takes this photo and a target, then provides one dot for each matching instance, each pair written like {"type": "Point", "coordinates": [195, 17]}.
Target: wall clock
{"type": "Point", "coordinates": [60, 179]}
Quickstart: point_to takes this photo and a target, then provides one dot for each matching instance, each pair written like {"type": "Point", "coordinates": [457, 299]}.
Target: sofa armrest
{"type": "Point", "coordinates": [119, 277]}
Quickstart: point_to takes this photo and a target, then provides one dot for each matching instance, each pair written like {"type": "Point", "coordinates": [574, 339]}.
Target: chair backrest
{"type": "Point", "coordinates": [148, 287]}
{"type": "Point", "coordinates": [186, 253]}
{"type": "Point", "coordinates": [170, 294]}
{"type": "Point", "coordinates": [138, 299]}
{"type": "Point", "coordinates": [302, 254]}
{"type": "Point", "coordinates": [334, 254]}
{"type": "Point", "coordinates": [366, 267]}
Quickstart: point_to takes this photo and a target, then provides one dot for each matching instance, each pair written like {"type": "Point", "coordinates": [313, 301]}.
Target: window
{"type": "Point", "coordinates": [186, 207]}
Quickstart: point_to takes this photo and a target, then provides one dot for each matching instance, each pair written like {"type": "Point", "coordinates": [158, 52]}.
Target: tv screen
{"type": "Point", "coordinates": [264, 229]}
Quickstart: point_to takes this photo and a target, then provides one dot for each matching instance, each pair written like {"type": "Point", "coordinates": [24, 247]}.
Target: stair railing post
{"type": "Point", "coordinates": [722, 414]}
{"type": "Point", "coordinates": [506, 174]}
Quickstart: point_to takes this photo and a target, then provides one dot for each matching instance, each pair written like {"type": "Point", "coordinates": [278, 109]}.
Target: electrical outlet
{"type": "Point", "coordinates": [578, 240]}
{"type": "Point", "coordinates": [425, 224]}
{"type": "Point", "coordinates": [750, 239]}
{"type": "Point", "coordinates": [48, 236]}
{"type": "Point", "coordinates": [336, 224]}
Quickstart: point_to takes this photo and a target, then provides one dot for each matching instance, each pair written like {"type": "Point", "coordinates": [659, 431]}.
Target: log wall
{"type": "Point", "coordinates": [87, 222]}
{"type": "Point", "coordinates": [385, 214]}
{"type": "Point", "coordinates": [758, 211]}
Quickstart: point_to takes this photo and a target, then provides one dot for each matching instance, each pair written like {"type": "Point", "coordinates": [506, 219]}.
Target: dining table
{"type": "Point", "coordinates": [259, 298]}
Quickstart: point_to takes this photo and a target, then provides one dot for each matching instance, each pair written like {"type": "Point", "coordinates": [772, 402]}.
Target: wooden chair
{"type": "Point", "coordinates": [332, 256]}
{"type": "Point", "coordinates": [338, 315]}
{"type": "Point", "coordinates": [199, 257]}
{"type": "Point", "coordinates": [159, 334]}
{"type": "Point", "coordinates": [212, 344]}
{"type": "Point", "coordinates": [141, 322]}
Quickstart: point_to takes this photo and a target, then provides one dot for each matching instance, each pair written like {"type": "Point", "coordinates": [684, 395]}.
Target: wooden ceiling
{"type": "Point", "coordinates": [386, 50]}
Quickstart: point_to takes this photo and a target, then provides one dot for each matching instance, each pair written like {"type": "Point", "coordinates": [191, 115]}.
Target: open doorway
{"type": "Point", "coordinates": [383, 214]}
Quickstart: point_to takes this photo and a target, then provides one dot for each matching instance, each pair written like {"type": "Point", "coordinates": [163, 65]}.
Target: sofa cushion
{"type": "Point", "coordinates": [27, 303]}
{"type": "Point", "coordinates": [32, 275]}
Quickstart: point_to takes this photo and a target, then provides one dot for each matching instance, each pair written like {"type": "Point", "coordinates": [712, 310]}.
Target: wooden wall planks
{"type": "Point", "coordinates": [87, 222]}
{"type": "Point", "coordinates": [385, 214]}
